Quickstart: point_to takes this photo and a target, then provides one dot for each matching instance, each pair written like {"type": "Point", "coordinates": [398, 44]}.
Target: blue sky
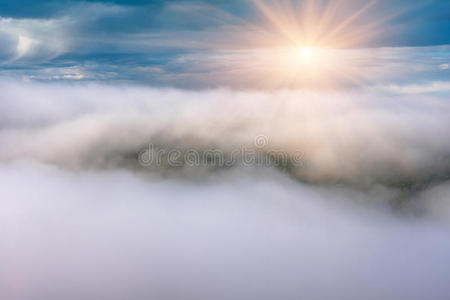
{"type": "Point", "coordinates": [177, 43]}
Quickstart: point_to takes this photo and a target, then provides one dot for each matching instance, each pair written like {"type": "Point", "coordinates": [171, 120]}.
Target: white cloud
{"type": "Point", "coordinates": [438, 86]}
{"type": "Point", "coordinates": [24, 45]}
{"type": "Point", "coordinates": [44, 39]}
{"type": "Point", "coordinates": [255, 235]}
{"type": "Point", "coordinates": [108, 230]}
{"type": "Point", "coordinates": [36, 38]}
{"type": "Point", "coordinates": [360, 137]}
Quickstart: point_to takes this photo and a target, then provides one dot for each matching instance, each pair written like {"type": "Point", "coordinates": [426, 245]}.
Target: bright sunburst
{"type": "Point", "coordinates": [306, 53]}
{"type": "Point", "coordinates": [309, 42]}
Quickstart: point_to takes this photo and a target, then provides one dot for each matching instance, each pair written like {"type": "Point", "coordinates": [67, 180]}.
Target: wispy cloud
{"type": "Point", "coordinates": [190, 41]}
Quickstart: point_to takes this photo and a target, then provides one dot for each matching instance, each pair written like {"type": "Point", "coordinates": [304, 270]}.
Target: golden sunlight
{"type": "Point", "coordinates": [306, 44]}
{"type": "Point", "coordinates": [306, 54]}
{"type": "Point", "coordinates": [311, 22]}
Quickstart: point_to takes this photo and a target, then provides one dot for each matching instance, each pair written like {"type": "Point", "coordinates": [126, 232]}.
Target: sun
{"type": "Point", "coordinates": [305, 55]}
{"type": "Point", "coordinates": [309, 43]}
{"type": "Point", "coordinates": [305, 52]}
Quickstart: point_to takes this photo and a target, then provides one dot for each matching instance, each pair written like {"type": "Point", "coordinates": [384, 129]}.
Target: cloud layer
{"type": "Point", "coordinates": [242, 236]}
{"type": "Point", "coordinates": [365, 215]}
{"type": "Point", "coordinates": [91, 89]}
{"type": "Point", "coordinates": [362, 138]}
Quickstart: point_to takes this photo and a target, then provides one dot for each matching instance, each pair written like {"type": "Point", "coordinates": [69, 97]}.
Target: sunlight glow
{"type": "Point", "coordinates": [310, 42]}
{"type": "Point", "coordinates": [305, 57]}
{"type": "Point", "coordinates": [306, 52]}
{"type": "Point", "coordinates": [305, 43]}
{"type": "Point", "coordinates": [335, 24]}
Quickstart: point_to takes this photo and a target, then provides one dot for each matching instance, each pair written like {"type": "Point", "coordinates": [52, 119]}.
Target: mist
{"type": "Point", "coordinates": [364, 214]}
{"type": "Point", "coordinates": [359, 137]}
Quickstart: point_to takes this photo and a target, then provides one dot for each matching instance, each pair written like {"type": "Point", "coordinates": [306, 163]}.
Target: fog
{"type": "Point", "coordinates": [359, 137]}
{"type": "Point", "coordinates": [365, 215]}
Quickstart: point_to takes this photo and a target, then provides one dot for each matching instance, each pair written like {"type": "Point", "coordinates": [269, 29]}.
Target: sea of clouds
{"type": "Point", "coordinates": [364, 215]}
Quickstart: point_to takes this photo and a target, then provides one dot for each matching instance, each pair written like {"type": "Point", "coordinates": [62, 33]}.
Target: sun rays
{"type": "Point", "coordinates": [325, 24]}
{"type": "Point", "coordinates": [305, 44]}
